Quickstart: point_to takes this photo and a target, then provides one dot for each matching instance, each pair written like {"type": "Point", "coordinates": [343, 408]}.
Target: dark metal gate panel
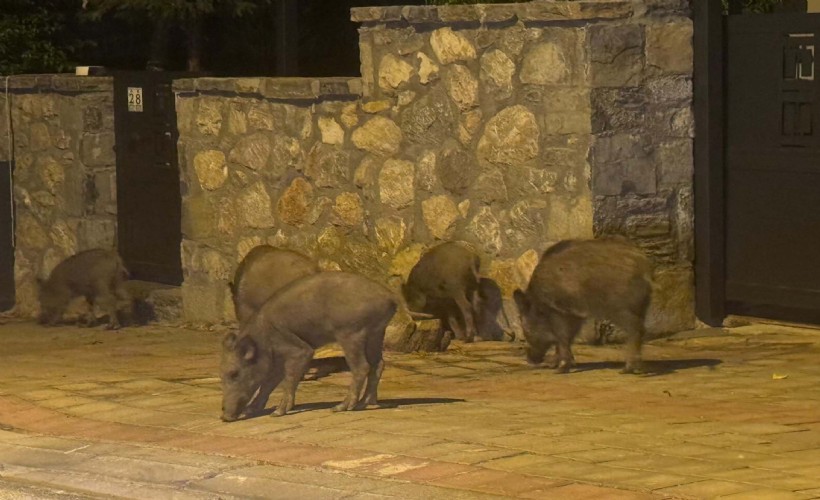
{"type": "Point", "coordinates": [6, 238]}
{"type": "Point", "coordinates": [148, 196]}
{"type": "Point", "coordinates": [773, 166]}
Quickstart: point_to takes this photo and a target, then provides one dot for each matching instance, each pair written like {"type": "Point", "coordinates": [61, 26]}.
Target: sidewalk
{"type": "Point", "coordinates": [727, 413]}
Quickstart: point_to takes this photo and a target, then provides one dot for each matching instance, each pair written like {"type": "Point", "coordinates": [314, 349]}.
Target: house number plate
{"type": "Point", "coordinates": [135, 99]}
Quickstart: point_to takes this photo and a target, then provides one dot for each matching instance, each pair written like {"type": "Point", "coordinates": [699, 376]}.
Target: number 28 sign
{"type": "Point", "coordinates": [135, 99]}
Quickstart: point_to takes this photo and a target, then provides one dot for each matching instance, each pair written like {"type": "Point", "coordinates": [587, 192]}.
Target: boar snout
{"type": "Point", "coordinates": [536, 355]}
{"type": "Point", "coordinates": [225, 417]}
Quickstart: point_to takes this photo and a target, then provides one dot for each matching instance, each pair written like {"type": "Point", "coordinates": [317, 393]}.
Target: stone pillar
{"type": "Point", "coordinates": [64, 177]}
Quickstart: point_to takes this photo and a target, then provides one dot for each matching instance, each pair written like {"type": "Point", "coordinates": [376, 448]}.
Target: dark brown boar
{"type": "Point", "coordinates": [264, 271]}
{"type": "Point", "coordinates": [444, 284]}
{"type": "Point", "coordinates": [97, 274]}
{"type": "Point", "coordinates": [606, 279]}
{"type": "Point", "coordinates": [277, 345]}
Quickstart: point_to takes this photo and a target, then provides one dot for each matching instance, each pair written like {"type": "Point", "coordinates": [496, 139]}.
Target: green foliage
{"type": "Point", "coordinates": [756, 6]}
{"type": "Point", "coordinates": [36, 36]}
{"type": "Point", "coordinates": [458, 2]}
{"type": "Point", "coordinates": [170, 9]}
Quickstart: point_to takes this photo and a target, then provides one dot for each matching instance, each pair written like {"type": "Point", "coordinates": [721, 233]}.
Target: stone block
{"type": "Point", "coordinates": [430, 120]}
{"type": "Point", "coordinates": [203, 303]}
{"type": "Point", "coordinates": [669, 90]}
{"type": "Point", "coordinates": [669, 47]}
{"type": "Point", "coordinates": [671, 121]}
{"type": "Point", "coordinates": [97, 232]}
{"type": "Point", "coordinates": [396, 183]}
{"type": "Point", "coordinates": [450, 46]}
{"type": "Point", "coordinates": [616, 55]}
{"type": "Point", "coordinates": [685, 224]}
{"type": "Point", "coordinates": [618, 109]}
{"type": "Point", "coordinates": [456, 169]}
{"type": "Point", "coordinates": [198, 217]}
{"type": "Point", "coordinates": [636, 175]}
{"type": "Point", "coordinates": [252, 151]}
{"type": "Point", "coordinates": [394, 72]}
{"type": "Point", "coordinates": [511, 137]}
{"type": "Point", "coordinates": [675, 163]}
{"type": "Point", "coordinates": [569, 217]}
{"type": "Point", "coordinates": [440, 214]}
{"type": "Point", "coordinates": [295, 203]}
{"type": "Point", "coordinates": [97, 150]}
{"type": "Point", "coordinates": [328, 166]}
{"type": "Point", "coordinates": [211, 169]}
{"type": "Point", "coordinates": [379, 135]}
{"type": "Point", "coordinates": [390, 233]}
{"type": "Point", "coordinates": [647, 226]}
{"type": "Point", "coordinates": [462, 86]}
{"type": "Point", "coordinates": [497, 70]}
{"type": "Point", "coordinates": [485, 231]}
{"type": "Point", "coordinates": [209, 116]}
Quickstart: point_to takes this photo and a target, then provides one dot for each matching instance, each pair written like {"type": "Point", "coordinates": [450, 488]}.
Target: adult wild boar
{"type": "Point", "coordinates": [444, 283]}
{"type": "Point", "coordinates": [277, 345]}
{"type": "Point", "coordinates": [263, 272]}
{"type": "Point", "coordinates": [98, 275]}
{"type": "Point", "coordinates": [607, 278]}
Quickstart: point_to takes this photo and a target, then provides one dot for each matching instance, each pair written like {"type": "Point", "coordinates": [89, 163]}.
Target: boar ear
{"type": "Point", "coordinates": [521, 300]}
{"type": "Point", "coordinates": [229, 342]}
{"type": "Point", "coordinates": [247, 349]}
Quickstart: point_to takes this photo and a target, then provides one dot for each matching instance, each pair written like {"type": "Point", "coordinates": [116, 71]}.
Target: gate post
{"type": "Point", "coordinates": [709, 168]}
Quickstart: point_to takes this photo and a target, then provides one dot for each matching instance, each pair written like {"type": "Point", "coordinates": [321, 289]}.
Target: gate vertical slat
{"type": "Point", "coordinates": [6, 238]}
{"type": "Point", "coordinates": [708, 156]}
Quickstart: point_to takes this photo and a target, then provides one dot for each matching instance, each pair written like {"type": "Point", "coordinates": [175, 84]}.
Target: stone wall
{"type": "Point", "coordinates": [508, 126]}
{"type": "Point", "coordinates": [64, 176]}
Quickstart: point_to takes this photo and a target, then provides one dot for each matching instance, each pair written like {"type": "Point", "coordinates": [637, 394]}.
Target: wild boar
{"type": "Point", "coordinates": [277, 345]}
{"type": "Point", "coordinates": [444, 284]}
{"type": "Point", "coordinates": [607, 279]}
{"type": "Point", "coordinates": [98, 275]}
{"type": "Point", "coordinates": [263, 272]}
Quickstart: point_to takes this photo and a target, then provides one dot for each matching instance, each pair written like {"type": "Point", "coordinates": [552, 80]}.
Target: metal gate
{"type": "Point", "coordinates": [6, 238]}
{"type": "Point", "coordinates": [148, 195]}
{"type": "Point", "coordinates": [772, 166]}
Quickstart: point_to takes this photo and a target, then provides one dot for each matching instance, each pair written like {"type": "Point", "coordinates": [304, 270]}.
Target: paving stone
{"type": "Point", "coordinates": [255, 487]}
{"type": "Point", "coordinates": [708, 489]}
{"type": "Point", "coordinates": [651, 481]}
{"type": "Point", "coordinates": [764, 494]}
{"type": "Point", "coordinates": [587, 492]}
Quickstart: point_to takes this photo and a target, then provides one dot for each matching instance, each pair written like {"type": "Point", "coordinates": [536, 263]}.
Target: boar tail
{"type": "Point", "coordinates": [417, 316]}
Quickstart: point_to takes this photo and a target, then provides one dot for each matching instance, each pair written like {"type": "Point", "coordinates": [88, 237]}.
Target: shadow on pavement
{"type": "Point", "coordinates": [383, 404]}
{"type": "Point", "coordinates": [652, 367]}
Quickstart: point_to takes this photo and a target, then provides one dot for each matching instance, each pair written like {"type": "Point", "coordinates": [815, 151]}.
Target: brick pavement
{"type": "Point", "coordinates": [725, 413]}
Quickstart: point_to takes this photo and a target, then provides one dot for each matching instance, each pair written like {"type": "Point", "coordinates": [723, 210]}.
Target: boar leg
{"type": "Point", "coordinates": [354, 347]}
{"type": "Point", "coordinates": [108, 303]}
{"type": "Point", "coordinates": [451, 322]}
{"type": "Point", "coordinates": [633, 326]}
{"type": "Point", "coordinates": [296, 354]}
{"type": "Point", "coordinates": [373, 353]}
{"type": "Point", "coordinates": [88, 318]}
{"type": "Point", "coordinates": [272, 380]}
{"type": "Point", "coordinates": [124, 297]}
{"type": "Point", "coordinates": [466, 309]}
{"type": "Point", "coordinates": [564, 328]}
